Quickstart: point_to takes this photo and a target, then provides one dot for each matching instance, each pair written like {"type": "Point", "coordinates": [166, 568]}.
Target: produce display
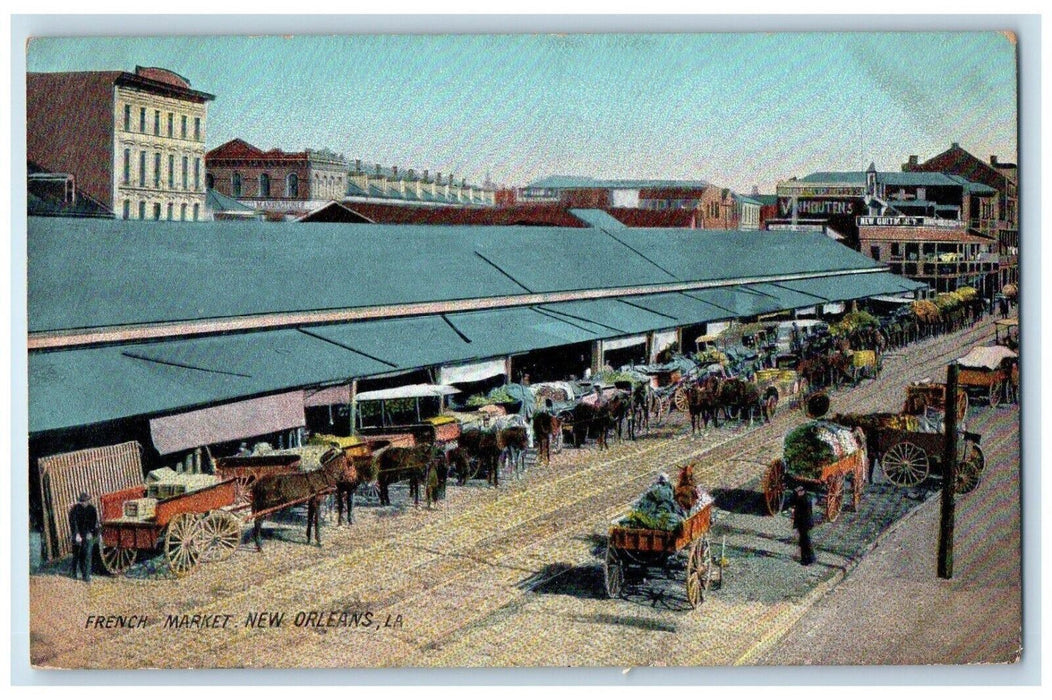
{"type": "Point", "coordinates": [856, 320]}
{"type": "Point", "coordinates": [498, 395]}
{"type": "Point", "coordinates": [310, 455]}
{"type": "Point", "coordinates": [710, 357]}
{"type": "Point", "coordinates": [947, 301]}
{"type": "Point", "coordinates": [925, 311]}
{"type": "Point", "coordinates": [967, 293]}
{"type": "Point", "coordinates": [663, 507]}
{"type": "Point", "coordinates": [816, 444]}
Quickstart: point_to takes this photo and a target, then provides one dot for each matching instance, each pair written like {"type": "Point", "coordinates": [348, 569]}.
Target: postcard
{"type": "Point", "coordinates": [523, 350]}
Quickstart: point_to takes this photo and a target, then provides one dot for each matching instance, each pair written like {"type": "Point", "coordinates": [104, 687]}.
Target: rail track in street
{"type": "Point", "coordinates": [464, 577]}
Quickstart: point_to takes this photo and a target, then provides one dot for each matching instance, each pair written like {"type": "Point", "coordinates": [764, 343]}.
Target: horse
{"type": "Point", "coordinates": [278, 492]}
{"type": "Point", "coordinates": [423, 463]}
{"type": "Point", "coordinates": [478, 446]}
{"type": "Point", "coordinates": [545, 425]}
{"type": "Point", "coordinates": [739, 397]}
{"type": "Point", "coordinates": [613, 412]}
{"type": "Point", "coordinates": [704, 402]}
{"type": "Point", "coordinates": [640, 411]}
{"type": "Point", "coordinates": [512, 443]}
{"type": "Point", "coordinates": [583, 419]}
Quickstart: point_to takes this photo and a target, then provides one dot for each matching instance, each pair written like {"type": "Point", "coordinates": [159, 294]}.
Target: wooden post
{"type": "Point", "coordinates": [949, 475]}
{"type": "Point", "coordinates": [597, 356]}
{"type": "Point", "coordinates": [351, 411]}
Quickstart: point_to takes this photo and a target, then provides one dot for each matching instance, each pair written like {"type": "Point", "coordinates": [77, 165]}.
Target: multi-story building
{"type": "Point", "coordinates": [414, 187]}
{"type": "Point", "coordinates": [1002, 177]}
{"type": "Point", "coordinates": [133, 141]}
{"type": "Point", "coordinates": [941, 253]}
{"type": "Point", "coordinates": [276, 181]}
{"type": "Point", "coordinates": [835, 200]}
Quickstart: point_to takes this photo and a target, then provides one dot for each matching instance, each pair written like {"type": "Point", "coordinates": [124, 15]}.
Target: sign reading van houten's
{"type": "Point", "coordinates": [819, 207]}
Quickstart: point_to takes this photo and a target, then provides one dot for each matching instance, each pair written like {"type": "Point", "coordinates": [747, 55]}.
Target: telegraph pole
{"type": "Point", "coordinates": [949, 474]}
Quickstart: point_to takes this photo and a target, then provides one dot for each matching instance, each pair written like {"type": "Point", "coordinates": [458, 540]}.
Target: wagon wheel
{"type": "Point", "coordinates": [970, 469]}
{"type": "Point", "coordinates": [220, 536]}
{"type": "Point", "coordinates": [556, 441]}
{"type": "Point", "coordinates": [682, 399]}
{"type": "Point", "coordinates": [995, 392]}
{"type": "Point", "coordinates": [243, 491]}
{"type": "Point", "coordinates": [699, 571]}
{"type": "Point", "coordinates": [905, 464]}
{"type": "Point", "coordinates": [613, 573]}
{"type": "Point", "coordinates": [116, 560]}
{"type": "Point", "coordinates": [774, 487]}
{"type": "Point", "coordinates": [664, 410]}
{"type": "Point", "coordinates": [834, 497]}
{"type": "Point", "coordinates": [182, 543]}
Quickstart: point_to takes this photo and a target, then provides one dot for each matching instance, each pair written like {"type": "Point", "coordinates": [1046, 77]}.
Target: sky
{"type": "Point", "coordinates": [735, 109]}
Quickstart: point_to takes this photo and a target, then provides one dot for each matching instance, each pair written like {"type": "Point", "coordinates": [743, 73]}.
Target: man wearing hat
{"type": "Point", "coordinates": [803, 521]}
{"type": "Point", "coordinates": [83, 527]}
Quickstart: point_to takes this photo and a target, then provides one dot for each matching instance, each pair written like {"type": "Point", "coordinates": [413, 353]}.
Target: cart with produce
{"type": "Point", "coordinates": [190, 524]}
{"type": "Point", "coordinates": [658, 533]}
{"type": "Point", "coordinates": [787, 385]}
{"type": "Point", "coordinates": [922, 397]}
{"type": "Point", "coordinates": [910, 447]}
{"type": "Point", "coordinates": [986, 371]}
{"type": "Point", "coordinates": [820, 456]}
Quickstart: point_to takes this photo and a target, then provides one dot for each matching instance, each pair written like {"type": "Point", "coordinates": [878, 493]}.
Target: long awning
{"type": "Point", "coordinates": [471, 371]}
{"type": "Point", "coordinates": [411, 391]}
{"type": "Point", "coordinates": [849, 287]}
{"type": "Point", "coordinates": [232, 421]}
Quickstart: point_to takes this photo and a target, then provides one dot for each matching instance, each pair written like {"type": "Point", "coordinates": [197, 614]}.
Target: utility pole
{"type": "Point", "coordinates": [949, 474]}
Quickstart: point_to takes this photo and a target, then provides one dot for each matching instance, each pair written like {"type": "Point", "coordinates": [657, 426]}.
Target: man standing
{"type": "Point", "coordinates": [803, 521]}
{"type": "Point", "coordinates": [83, 527]}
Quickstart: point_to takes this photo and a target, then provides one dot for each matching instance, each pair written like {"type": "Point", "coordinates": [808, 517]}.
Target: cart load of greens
{"type": "Point", "coordinates": [817, 444]}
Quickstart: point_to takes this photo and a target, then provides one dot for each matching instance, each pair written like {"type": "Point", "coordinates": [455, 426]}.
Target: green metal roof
{"type": "Point", "coordinates": [849, 287]}
{"type": "Point", "coordinates": [597, 217]}
{"type": "Point", "coordinates": [216, 201]}
{"type": "Point", "coordinates": [898, 179]}
{"type": "Point", "coordinates": [84, 273]}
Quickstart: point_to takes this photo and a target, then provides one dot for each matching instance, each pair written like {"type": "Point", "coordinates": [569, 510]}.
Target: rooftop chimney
{"type": "Point", "coordinates": [425, 173]}
{"type": "Point", "coordinates": [955, 145]}
{"type": "Point", "coordinates": [993, 160]}
{"type": "Point", "coordinates": [410, 173]}
{"type": "Point", "coordinates": [914, 160]}
{"type": "Point", "coordinates": [377, 168]}
{"type": "Point", "coordinates": [394, 171]}
{"type": "Point", "coordinates": [463, 182]}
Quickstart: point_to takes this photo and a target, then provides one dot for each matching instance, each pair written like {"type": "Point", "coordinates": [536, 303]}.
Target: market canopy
{"type": "Point", "coordinates": [410, 391]}
{"type": "Point", "coordinates": [986, 357]}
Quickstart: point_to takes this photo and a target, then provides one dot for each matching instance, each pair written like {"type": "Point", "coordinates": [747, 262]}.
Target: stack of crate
{"type": "Point", "coordinates": [140, 508]}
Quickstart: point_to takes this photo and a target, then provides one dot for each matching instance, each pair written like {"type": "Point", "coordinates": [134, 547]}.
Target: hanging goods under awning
{"type": "Point", "coordinates": [232, 421]}
{"type": "Point", "coordinates": [471, 372]}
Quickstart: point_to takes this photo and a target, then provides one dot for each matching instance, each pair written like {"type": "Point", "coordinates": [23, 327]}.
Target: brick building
{"type": "Point", "coordinates": [276, 180]}
{"type": "Point", "coordinates": [134, 142]}
{"type": "Point", "coordinates": [1002, 177]}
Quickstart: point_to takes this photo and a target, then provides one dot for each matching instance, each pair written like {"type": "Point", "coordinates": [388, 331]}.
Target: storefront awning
{"type": "Point", "coordinates": [471, 372]}
{"type": "Point", "coordinates": [849, 287]}
{"type": "Point", "coordinates": [232, 421]}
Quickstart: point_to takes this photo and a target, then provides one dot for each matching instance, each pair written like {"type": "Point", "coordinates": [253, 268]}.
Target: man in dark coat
{"type": "Point", "coordinates": [83, 528]}
{"type": "Point", "coordinates": [803, 521]}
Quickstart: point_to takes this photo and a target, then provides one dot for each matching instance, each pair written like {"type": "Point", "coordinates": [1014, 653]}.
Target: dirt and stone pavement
{"type": "Point", "coordinates": [513, 576]}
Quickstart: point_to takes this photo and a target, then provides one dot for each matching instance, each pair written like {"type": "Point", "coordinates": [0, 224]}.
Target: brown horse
{"type": "Point", "coordinates": [425, 464]}
{"type": "Point", "coordinates": [360, 470]}
{"type": "Point", "coordinates": [277, 492]}
{"type": "Point", "coordinates": [614, 411]}
{"type": "Point", "coordinates": [545, 426]}
{"type": "Point", "coordinates": [476, 451]}
{"type": "Point", "coordinates": [512, 443]}
{"type": "Point", "coordinates": [704, 403]}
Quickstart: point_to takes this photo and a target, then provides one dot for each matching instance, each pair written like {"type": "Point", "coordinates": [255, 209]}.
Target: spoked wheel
{"type": "Point", "coordinates": [682, 399]}
{"type": "Point", "coordinates": [969, 469]}
{"type": "Point", "coordinates": [995, 393]}
{"type": "Point", "coordinates": [557, 441]}
{"type": "Point", "coordinates": [613, 573]}
{"type": "Point", "coordinates": [220, 536]}
{"type": "Point", "coordinates": [116, 560]}
{"type": "Point", "coordinates": [699, 572]}
{"type": "Point", "coordinates": [243, 491]}
{"type": "Point", "coordinates": [905, 464]}
{"type": "Point", "coordinates": [182, 543]}
{"type": "Point", "coordinates": [774, 487]}
{"type": "Point", "coordinates": [834, 497]}
{"type": "Point", "coordinates": [663, 410]}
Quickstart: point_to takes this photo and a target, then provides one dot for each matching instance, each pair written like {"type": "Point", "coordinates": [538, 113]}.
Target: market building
{"type": "Point", "coordinates": [122, 351]}
{"type": "Point", "coordinates": [413, 187]}
{"type": "Point", "coordinates": [133, 142]}
{"type": "Point", "coordinates": [1002, 177]}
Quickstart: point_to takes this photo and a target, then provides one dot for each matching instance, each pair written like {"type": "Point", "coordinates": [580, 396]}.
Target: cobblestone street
{"type": "Point", "coordinates": [513, 576]}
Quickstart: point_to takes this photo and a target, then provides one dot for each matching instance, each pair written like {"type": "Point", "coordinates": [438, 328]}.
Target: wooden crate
{"type": "Point", "coordinates": [140, 508]}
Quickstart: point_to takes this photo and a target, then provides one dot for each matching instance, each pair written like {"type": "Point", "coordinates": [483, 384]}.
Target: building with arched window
{"type": "Point", "coordinates": [310, 178]}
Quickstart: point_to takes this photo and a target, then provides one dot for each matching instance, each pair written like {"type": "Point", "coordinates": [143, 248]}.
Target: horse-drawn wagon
{"type": "Point", "coordinates": [909, 446]}
{"type": "Point", "coordinates": [633, 549]}
{"type": "Point", "coordinates": [818, 456]}
{"type": "Point", "coordinates": [186, 527]}
{"type": "Point", "coordinates": [987, 371]}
